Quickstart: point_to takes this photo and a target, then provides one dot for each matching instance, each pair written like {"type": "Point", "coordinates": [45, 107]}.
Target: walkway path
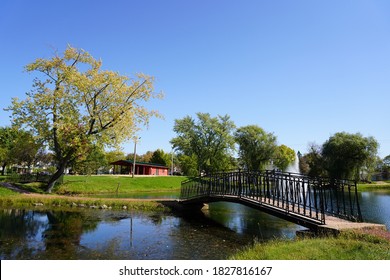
{"type": "Point", "coordinates": [12, 187]}
{"type": "Point", "coordinates": [338, 225]}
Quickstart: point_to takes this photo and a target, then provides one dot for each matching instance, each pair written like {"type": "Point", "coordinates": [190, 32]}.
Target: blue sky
{"type": "Point", "coordinates": [302, 70]}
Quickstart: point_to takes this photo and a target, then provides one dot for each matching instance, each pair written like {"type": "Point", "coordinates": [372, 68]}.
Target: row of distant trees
{"type": "Point", "coordinates": [21, 151]}
{"type": "Point", "coordinates": [202, 146]}
{"type": "Point", "coordinates": [345, 155]}
{"type": "Point", "coordinates": [18, 147]}
{"type": "Point", "coordinates": [209, 144]}
{"type": "Point", "coordinates": [76, 110]}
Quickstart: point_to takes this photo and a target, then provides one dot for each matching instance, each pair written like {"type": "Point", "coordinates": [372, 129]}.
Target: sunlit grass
{"type": "Point", "coordinates": [51, 201]}
{"type": "Point", "coordinates": [4, 192]}
{"type": "Point", "coordinates": [79, 185]}
{"type": "Point", "coordinates": [120, 184]}
{"type": "Point", "coordinates": [374, 185]}
{"type": "Point", "coordinates": [347, 246]}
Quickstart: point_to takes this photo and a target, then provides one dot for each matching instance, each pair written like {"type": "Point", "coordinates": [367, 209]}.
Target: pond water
{"type": "Point", "coordinates": [375, 206]}
{"type": "Point", "coordinates": [101, 234]}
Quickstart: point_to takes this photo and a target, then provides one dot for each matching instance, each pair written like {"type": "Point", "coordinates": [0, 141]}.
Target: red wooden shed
{"type": "Point", "coordinates": [141, 168]}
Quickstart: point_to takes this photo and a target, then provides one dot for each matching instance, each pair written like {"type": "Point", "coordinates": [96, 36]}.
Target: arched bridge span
{"type": "Point", "coordinates": [294, 197]}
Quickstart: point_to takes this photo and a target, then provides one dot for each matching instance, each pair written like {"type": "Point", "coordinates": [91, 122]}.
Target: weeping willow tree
{"type": "Point", "coordinates": [256, 147]}
{"type": "Point", "coordinates": [347, 155]}
{"type": "Point", "coordinates": [75, 105]}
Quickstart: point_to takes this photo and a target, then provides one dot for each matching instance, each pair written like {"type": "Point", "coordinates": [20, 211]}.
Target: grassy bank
{"type": "Point", "coordinates": [7, 193]}
{"type": "Point", "coordinates": [374, 185]}
{"type": "Point", "coordinates": [62, 202]}
{"type": "Point", "coordinates": [70, 193]}
{"type": "Point", "coordinates": [122, 184]}
{"type": "Point", "coordinates": [347, 246]}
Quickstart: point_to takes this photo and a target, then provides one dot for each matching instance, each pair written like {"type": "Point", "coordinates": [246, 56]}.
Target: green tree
{"type": "Point", "coordinates": [207, 140]}
{"type": "Point", "coordinates": [75, 105]}
{"type": "Point", "coordinates": [256, 147]}
{"type": "Point", "coordinates": [188, 165]}
{"type": "Point", "coordinates": [283, 157]}
{"type": "Point", "coordinates": [386, 167]}
{"type": "Point", "coordinates": [346, 155]}
{"type": "Point", "coordinates": [160, 157]}
{"type": "Point", "coordinates": [114, 155]}
{"type": "Point", "coordinates": [95, 160]}
{"type": "Point", "coordinates": [8, 137]}
{"type": "Point", "coordinates": [17, 147]}
{"type": "Point", "coordinates": [386, 161]}
{"type": "Point", "coordinates": [312, 163]}
{"type": "Point", "coordinates": [25, 149]}
{"type": "Point", "coordinates": [143, 158]}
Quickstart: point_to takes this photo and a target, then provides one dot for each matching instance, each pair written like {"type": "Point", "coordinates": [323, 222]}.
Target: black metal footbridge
{"type": "Point", "coordinates": [304, 200]}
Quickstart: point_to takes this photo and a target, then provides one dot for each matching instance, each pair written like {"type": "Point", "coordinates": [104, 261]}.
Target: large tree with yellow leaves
{"type": "Point", "coordinates": [75, 104]}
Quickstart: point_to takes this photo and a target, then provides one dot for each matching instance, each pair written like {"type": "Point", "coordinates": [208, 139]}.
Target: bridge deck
{"type": "Point", "coordinates": [337, 225]}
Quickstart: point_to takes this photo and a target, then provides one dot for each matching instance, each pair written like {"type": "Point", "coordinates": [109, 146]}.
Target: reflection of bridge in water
{"type": "Point", "coordinates": [315, 203]}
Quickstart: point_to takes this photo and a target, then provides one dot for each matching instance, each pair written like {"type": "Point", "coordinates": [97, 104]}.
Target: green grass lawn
{"type": "Point", "coordinates": [347, 246]}
{"type": "Point", "coordinates": [80, 185]}
{"type": "Point", "coordinates": [4, 192]}
{"type": "Point", "coordinates": [374, 185]}
{"type": "Point", "coordinates": [124, 184]}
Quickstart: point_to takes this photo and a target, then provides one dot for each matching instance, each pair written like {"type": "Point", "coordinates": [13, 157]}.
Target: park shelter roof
{"type": "Point", "coordinates": [130, 163]}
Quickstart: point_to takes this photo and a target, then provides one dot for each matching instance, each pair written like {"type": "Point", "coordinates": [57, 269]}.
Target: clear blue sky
{"type": "Point", "coordinates": [303, 70]}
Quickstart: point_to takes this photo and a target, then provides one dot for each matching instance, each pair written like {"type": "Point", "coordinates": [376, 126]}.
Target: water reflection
{"type": "Point", "coordinates": [99, 234]}
{"type": "Point", "coordinates": [375, 207]}
{"type": "Point", "coordinates": [96, 234]}
{"type": "Point", "coordinates": [18, 227]}
{"type": "Point", "coordinates": [245, 220]}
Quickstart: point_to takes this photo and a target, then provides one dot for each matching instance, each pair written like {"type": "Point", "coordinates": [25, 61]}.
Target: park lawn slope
{"type": "Point", "coordinates": [374, 186]}
{"type": "Point", "coordinates": [4, 192]}
{"type": "Point", "coordinates": [100, 184]}
{"type": "Point", "coordinates": [347, 246]}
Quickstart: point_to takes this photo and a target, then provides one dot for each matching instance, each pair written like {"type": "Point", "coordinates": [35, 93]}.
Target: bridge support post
{"type": "Point", "coordinates": [239, 183]}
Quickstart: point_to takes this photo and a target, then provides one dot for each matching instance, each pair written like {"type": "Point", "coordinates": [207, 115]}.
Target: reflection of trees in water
{"type": "Point", "coordinates": [196, 236]}
{"type": "Point", "coordinates": [26, 234]}
{"type": "Point", "coordinates": [19, 223]}
{"type": "Point", "coordinates": [64, 231]}
{"type": "Point", "coordinates": [60, 234]}
{"type": "Point", "coordinates": [251, 222]}
{"type": "Point", "coordinates": [17, 228]}
{"type": "Point", "coordinates": [157, 219]}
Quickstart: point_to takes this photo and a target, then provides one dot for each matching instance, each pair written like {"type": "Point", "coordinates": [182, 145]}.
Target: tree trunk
{"type": "Point", "coordinates": [56, 176]}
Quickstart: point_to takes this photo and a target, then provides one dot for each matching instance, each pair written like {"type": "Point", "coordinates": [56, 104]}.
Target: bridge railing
{"type": "Point", "coordinates": [290, 192]}
{"type": "Point", "coordinates": [341, 199]}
